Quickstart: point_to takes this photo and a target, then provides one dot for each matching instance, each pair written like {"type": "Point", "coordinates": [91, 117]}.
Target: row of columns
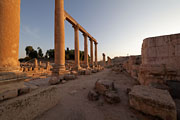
{"type": "Point", "coordinates": [60, 41]}
{"type": "Point", "coordinates": [9, 37]}
{"type": "Point", "coordinates": [76, 39]}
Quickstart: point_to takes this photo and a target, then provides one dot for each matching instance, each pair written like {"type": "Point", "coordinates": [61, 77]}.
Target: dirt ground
{"type": "Point", "coordinates": [74, 104]}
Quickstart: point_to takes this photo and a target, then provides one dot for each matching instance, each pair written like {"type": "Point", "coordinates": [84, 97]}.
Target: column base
{"type": "Point", "coordinates": [59, 70]}
{"type": "Point", "coordinates": [77, 68]}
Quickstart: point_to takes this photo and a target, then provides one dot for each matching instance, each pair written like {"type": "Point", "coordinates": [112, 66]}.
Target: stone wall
{"type": "Point", "coordinates": [160, 58]}
{"type": "Point", "coordinates": [132, 66]}
{"type": "Point", "coordinates": [29, 106]}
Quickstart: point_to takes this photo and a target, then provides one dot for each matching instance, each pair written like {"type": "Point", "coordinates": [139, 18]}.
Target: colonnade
{"type": "Point", "coordinates": [9, 37]}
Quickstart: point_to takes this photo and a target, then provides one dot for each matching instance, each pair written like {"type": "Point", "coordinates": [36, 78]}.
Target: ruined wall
{"type": "Point", "coordinates": [132, 66]}
{"type": "Point", "coordinates": [160, 59]}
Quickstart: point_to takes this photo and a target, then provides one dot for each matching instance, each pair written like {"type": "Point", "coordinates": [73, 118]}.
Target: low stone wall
{"type": "Point", "coordinates": [160, 58]}
{"type": "Point", "coordinates": [29, 106]}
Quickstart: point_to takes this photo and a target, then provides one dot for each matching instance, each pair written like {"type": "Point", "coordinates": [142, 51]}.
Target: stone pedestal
{"type": "Point", "coordinates": [86, 51]}
{"type": "Point", "coordinates": [59, 37]}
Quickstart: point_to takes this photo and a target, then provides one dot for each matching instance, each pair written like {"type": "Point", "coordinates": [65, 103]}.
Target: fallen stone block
{"type": "Point", "coordinates": [24, 90]}
{"type": "Point", "coordinates": [88, 72]}
{"type": "Point", "coordinates": [101, 86]}
{"type": "Point", "coordinates": [112, 97]}
{"type": "Point", "coordinates": [8, 94]}
{"type": "Point", "coordinates": [54, 81]}
{"type": "Point", "coordinates": [152, 101]}
{"type": "Point", "coordinates": [93, 96]}
{"type": "Point", "coordinates": [69, 77]}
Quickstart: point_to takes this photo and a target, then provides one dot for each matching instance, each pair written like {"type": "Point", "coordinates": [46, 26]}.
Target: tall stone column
{"type": "Point", "coordinates": [76, 46]}
{"type": "Point", "coordinates": [95, 53]}
{"type": "Point", "coordinates": [59, 66]}
{"type": "Point", "coordinates": [104, 59]}
{"type": "Point", "coordinates": [91, 41]}
{"type": "Point", "coordinates": [9, 35]}
{"type": "Point", "coordinates": [86, 50]}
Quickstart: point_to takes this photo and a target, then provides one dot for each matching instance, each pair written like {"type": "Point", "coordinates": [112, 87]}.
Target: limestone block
{"type": "Point", "coordinates": [88, 72]}
{"type": "Point", "coordinates": [8, 94]}
{"type": "Point", "coordinates": [101, 86]}
{"type": "Point", "coordinates": [54, 81]}
{"type": "Point", "coordinates": [93, 96]}
{"type": "Point", "coordinates": [162, 51]}
{"type": "Point", "coordinates": [151, 42]}
{"type": "Point", "coordinates": [171, 50]}
{"type": "Point", "coordinates": [152, 52]}
{"type": "Point", "coordinates": [153, 101]}
{"type": "Point", "coordinates": [69, 77]}
{"type": "Point", "coordinates": [177, 50]}
{"type": "Point", "coordinates": [112, 97]}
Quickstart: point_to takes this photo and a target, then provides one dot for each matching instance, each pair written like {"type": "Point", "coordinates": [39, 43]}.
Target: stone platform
{"type": "Point", "coordinates": [153, 101]}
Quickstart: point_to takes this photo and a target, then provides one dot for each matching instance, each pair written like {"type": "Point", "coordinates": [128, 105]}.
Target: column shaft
{"type": "Point", "coordinates": [59, 36]}
{"type": "Point", "coordinates": [86, 50]}
{"type": "Point", "coordinates": [76, 41]}
{"type": "Point", "coordinates": [91, 52]}
{"type": "Point", "coordinates": [95, 54]}
{"type": "Point", "coordinates": [9, 34]}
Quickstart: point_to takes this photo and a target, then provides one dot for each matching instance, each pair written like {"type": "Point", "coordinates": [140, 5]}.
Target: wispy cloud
{"type": "Point", "coordinates": [30, 32]}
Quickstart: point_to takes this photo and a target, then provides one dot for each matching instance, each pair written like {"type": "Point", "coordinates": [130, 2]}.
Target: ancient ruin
{"type": "Point", "coordinates": [135, 87]}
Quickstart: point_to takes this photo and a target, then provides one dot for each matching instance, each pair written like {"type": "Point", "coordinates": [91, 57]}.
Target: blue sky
{"type": "Point", "coordinates": [119, 25]}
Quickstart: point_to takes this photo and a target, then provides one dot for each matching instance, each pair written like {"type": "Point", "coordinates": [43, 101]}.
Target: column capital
{"type": "Point", "coordinates": [76, 27]}
{"type": "Point", "coordinates": [85, 34]}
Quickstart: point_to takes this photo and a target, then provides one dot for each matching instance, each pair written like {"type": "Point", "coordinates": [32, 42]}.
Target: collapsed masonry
{"type": "Point", "coordinates": [158, 63]}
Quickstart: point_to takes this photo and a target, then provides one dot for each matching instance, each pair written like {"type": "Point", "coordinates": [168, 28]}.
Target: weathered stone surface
{"type": "Point", "coordinates": [8, 94]}
{"type": "Point", "coordinates": [54, 81]}
{"type": "Point", "coordinates": [101, 86]}
{"type": "Point", "coordinates": [153, 101]}
{"type": "Point", "coordinates": [112, 97]}
{"type": "Point", "coordinates": [93, 96]}
{"type": "Point", "coordinates": [69, 77]}
{"type": "Point", "coordinates": [160, 56]}
{"type": "Point", "coordinates": [24, 90]}
{"type": "Point", "coordinates": [29, 105]}
{"type": "Point", "coordinates": [132, 66]}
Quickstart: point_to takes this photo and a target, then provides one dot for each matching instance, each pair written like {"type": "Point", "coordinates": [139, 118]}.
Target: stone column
{"type": "Point", "coordinates": [109, 60]}
{"type": "Point", "coordinates": [104, 59]}
{"type": "Point", "coordinates": [86, 50]}
{"type": "Point", "coordinates": [9, 35]}
{"type": "Point", "coordinates": [91, 41]}
{"type": "Point", "coordinates": [76, 46]}
{"type": "Point", "coordinates": [59, 37]}
{"type": "Point", "coordinates": [95, 53]}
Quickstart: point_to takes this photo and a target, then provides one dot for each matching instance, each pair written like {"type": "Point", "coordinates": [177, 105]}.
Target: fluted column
{"type": "Point", "coordinates": [91, 41]}
{"type": "Point", "coordinates": [9, 35]}
{"type": "Point", "coordinates": [76, 41]}
{"type": "Point", "coordinates": [59, 37]}
{"type": "Point", "coordinates": [95, 53]}
{"type": "Point", "coordinates": [86, 50]}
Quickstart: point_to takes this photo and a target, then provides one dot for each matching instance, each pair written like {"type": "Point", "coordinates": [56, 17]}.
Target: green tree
{"type": "Point", "coordinates": [28, 50]}
{"type": "Point", "coordinates": [40, 53]}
